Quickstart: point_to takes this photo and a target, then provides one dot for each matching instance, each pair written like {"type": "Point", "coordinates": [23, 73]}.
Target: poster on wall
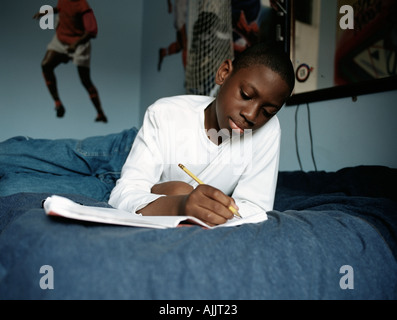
{"type": "Point", "coordinates": [209, 44]}
{"type": "Point", "coordinates": [207, 32]}
{"type": "Point", "coordinates": [369, 50]}
{"type": "Point", "coordinates": [75, 26]}
{"type": "Point", "coordinates": [178, 8]}
{"type": "Point", "coordinates": [256, 21]}
{"type": "Point", "coordinates": [305, 42]}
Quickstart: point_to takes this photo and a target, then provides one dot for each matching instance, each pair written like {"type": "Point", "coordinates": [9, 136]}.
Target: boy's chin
{"type": "Point", "coordinates": [235, 128]}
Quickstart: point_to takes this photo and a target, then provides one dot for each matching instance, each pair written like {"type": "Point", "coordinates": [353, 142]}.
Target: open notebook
{"type": "Point", "coordinates": [60, 206]}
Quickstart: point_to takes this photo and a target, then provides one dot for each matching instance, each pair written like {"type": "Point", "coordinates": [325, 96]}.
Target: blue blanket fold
{"type": "Point", "coordinates": [296, 254]}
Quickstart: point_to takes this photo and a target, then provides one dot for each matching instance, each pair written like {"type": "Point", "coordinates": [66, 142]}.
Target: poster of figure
{"type": "Point", "coordinates": [76, 26]}
{"type": "Point", "coordinates": [369, 50]}
{"type": "Point", "coordinates": [208, 32]}
{"type": "Point", "coordinates": [254, 21]}
{"type": "Point", "coordinates": [305, 43]}
{"type": "Point", "coordinates": [179, 10]}
{"type": "Point", "coordinates": [209, 43]}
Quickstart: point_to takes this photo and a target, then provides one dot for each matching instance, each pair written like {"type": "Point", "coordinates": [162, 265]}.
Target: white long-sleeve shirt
{"type": "Point", "coordinates": [173, 132]}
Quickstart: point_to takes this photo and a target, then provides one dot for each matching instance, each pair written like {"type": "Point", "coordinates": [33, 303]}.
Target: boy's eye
{"type": "Point", "coordinates": [244, 95]}
{"type": "Point", "coordinates": [267, 113]}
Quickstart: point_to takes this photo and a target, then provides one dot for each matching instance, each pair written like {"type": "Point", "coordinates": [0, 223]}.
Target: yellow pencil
{"type": "Point", "coordinates": [231, 208]}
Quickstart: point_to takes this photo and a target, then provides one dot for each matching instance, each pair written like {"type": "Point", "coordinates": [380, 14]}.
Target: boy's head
{"type": "Point", "coordinates": [253, 88]}
{"type": "Point", "coordinates": [268, 56]}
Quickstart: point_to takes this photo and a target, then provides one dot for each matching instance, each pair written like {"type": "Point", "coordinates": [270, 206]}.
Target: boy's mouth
{"type": "Point", "coordinates": [235, 127]}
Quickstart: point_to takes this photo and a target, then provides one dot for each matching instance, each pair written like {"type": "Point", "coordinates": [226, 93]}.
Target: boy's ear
{"type": "Point", "coordinates": [224, 71]}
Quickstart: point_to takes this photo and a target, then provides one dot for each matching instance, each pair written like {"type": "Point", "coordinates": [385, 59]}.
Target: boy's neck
{"type": "Point", "coordinates": [211, 123]}
{"type": "Point", "coordinates": [209, 114]}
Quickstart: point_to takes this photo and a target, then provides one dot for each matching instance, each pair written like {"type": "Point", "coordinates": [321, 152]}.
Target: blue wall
{"type": "Point", "coordinates": [124, 68]}
{"type": "Point", "coordinates": [345, 133]}
{"type": "Point", "coordinates": [25, 103]}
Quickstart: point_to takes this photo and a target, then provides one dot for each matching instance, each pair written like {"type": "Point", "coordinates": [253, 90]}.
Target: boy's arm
{"type": "Point", "coordinates": [255, 191]}
{"type": "Point", "coordinates": [167, 206]}
{"type": "Point", "coordinates": [205, 202]}
{"type": "Point", "coordinates": [172, 204]}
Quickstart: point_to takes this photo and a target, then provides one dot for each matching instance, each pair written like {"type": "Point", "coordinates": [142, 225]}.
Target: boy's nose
{"type": "Point", "coordinates": [250, 114]}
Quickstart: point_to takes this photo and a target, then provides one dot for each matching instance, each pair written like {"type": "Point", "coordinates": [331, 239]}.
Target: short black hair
{"type": "Point", "coordinates": [270, 56]}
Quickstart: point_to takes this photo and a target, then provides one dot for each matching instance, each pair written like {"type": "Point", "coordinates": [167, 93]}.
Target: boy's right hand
{"type": "Point", "coordinates": [209, 204]}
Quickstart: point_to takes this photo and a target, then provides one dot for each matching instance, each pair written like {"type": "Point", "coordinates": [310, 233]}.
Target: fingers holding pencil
{"type": "Point", "coordinates": [231, 206]}
{"type": "Point", "coordinates": [209, 205]}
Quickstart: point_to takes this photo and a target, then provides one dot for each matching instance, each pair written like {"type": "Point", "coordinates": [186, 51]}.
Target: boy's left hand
{"type": "Point", "coordinates": [172, 188]}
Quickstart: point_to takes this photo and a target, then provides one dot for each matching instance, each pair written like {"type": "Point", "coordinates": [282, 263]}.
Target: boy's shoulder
{"type": "Point", "coordinates": [181, 103]}
{"type": "Point", "coordinates": [270, 128]}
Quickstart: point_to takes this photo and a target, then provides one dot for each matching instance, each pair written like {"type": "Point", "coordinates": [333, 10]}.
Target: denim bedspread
{"type": "Point", "coordinates": [330, 235]}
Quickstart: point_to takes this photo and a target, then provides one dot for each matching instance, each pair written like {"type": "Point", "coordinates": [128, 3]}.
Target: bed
{"type": "Point", "coordinates": [331, 235]}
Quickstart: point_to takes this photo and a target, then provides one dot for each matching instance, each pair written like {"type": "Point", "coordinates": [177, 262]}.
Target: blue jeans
{"type": "Point", "coordinates": [88, 167]}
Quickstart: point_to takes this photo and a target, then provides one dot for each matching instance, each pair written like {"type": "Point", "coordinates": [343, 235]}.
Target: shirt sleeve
{"type": "Point", "coordinates": [90, 23]}
{"type": "Point", "coordinates": [141, 170]}
{"type": "Point", "coordinates": [255, 191]}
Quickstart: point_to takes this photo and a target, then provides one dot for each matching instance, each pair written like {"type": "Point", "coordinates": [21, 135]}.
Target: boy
{"type": "Point", "coordinates": [205, 134]}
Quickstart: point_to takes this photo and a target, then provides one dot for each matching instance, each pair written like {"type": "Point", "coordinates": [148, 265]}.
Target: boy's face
{"type": "Point", "coordinates": [248, 98]}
